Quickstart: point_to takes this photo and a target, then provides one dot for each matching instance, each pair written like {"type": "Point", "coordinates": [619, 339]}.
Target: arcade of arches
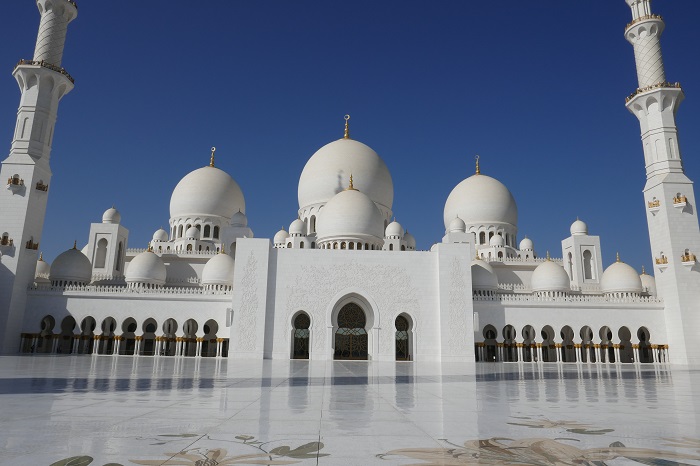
{"type": "Point", "coordinates": [586, 348]}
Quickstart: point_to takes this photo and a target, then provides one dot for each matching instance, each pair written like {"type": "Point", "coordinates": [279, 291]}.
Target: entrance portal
{"type": "Point", "coordinates": [351, 336]}
{"type": "Point", "coordinates": [301, 336]}
{"type": "Point", "coordinates": [402, 347]}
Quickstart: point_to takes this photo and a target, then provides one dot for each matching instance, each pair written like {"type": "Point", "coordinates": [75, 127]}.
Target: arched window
{"type": "Point", "coordinates": [312, 224]}
{"type": "Point", "coordinates": [207, 231]}
{"type": "Point", "coordinates": [571, 267]}
{"type": "Point", "coordinates": [120, 256]}
{"type": "Point", "coordinates": [301, 245]}
{"type": "Point", "coordinates": [198, 227]}
{"type": "Point", "coordinates": [216, 232]}
{"type": "Point", "coordinates": [189, 247]}
{"type": "Point", "coordinates": [482, 237]}
{"type": "Point", "coordinates": [101, 254]}
{"type": "Point", "coordinates": [403, 248]}
{"type": "Point", "coordinates": [289, 245]}
{"type": "Point", "coordinates": [391, 247]}
{"type": "Point", "coordinates": [587, 265]}
{"type": "Point", "coordinates": [179, 231]}
{"type": "Point", "coordinates": [302, 322]}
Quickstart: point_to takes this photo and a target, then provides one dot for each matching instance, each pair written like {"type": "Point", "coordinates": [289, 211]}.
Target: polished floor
{"type": "Point", "coordinates": [105, 410]}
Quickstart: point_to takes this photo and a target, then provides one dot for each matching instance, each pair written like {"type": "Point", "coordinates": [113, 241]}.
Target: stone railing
{"type": "Point", "coordinates": [531, 260]}
{"type": "Point", "coordinates": [135, 251]}
{"type": "Point", "coordinates": [514, 287]}
{"type": "Point", "coordinates": [530, 298]}
{"type": "Point", "coordinates": [652, 87]}
{"type": "Point", "coordinates": [643, 18]}
{"type": "Point", "coordinates": [47, 65]}
{"type": "Point", "coordinates": [121, 289]}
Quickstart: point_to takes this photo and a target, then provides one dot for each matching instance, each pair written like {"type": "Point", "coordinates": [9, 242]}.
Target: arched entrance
{"type": "Point", "coordinates": [351, 335]}
{"type": "Point", "coordinates": [301, 335]}
{"type": "Point", "coordinates": [403, 340]}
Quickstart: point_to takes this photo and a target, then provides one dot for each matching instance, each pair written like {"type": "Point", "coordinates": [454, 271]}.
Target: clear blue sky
{"type": "Point", "coordinates": [536, 88]}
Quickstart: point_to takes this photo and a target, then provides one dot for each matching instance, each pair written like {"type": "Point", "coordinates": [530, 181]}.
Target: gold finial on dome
{"type": "Point", "coordinates": [644, 272]}
{"type": "Point", "coordinates": [41, 256]}
{"type": "Point", "coordinates": [617, 259]}
{"type": "Point", "coordinates": [548, 256]}
{"type": "Point", "coordinates": [351, 187]}
{"type": "Point", "coordinates": [478, 171]}
{"type": "Point", "coordinates": [211, 161]}
{"type": "Point", "coordinates": [75, 244]}
{"type": "Point", "coordinates": [223, 249]}
{"type": "Point", "coordinates": [150, 248]}
{"type": "Point", "coordinates": [347, 127]}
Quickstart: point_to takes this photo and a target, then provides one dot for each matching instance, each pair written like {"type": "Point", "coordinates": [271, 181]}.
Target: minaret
{"type": "Point", "coordinates": [42, 83]}
{"type": "Point", "coordinates": [668, 193]}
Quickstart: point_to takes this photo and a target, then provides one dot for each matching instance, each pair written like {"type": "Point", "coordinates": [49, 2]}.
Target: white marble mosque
{"type": "Point", "coordinates": [344, 281]}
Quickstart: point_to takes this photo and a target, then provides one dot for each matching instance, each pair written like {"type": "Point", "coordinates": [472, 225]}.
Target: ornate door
{"type": "Point", "coordinates": [301, 336]}
{"type": "Point", "coordinates": [351, 336]}
{"type": "Point", "coordinates": [402, 351]}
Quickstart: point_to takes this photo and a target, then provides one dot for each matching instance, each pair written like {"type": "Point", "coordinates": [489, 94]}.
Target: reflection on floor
{"type": "Point", "coordinates": [99, 410]}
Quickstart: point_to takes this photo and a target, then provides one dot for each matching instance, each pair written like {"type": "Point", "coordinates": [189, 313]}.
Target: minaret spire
{"type": "Point", "coordinates": [673, 226]}
{"type": "Point", "coordinates": [347, 127]}
{"type": "Point", "coordinates": [42, 83]}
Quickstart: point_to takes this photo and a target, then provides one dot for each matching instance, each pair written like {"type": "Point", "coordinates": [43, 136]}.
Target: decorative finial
{"type": "Point", "coordinates": [644, 272]}
{"type": "Point", "coordinates": [618, 257]}
{"type": "Point", "coordinates": [350, 186]}
{"type": "Point", "coordinates": [223, 249]}
{"type": "Point", "coordinates": [41, 256]}
{"type": "Point", "coordinates": [478, 171]}
{"type": "Point", "coordinates": [347, 127]}
{"type": "Point", "coordinates": [75, 244]}
{"type": "Point", "coordinates": [548, 255]}
{"type": "Point", "coordinates": [150, 248]}
{"type": "Point", "coordinates": [211, 161]}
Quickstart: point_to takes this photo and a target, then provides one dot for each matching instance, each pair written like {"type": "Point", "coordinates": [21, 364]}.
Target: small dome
{"type": "Point", "coordinates": [71, 266]}
{"type": "Point", "coordinates": [481, 200]}
{"type": "Point", "coordinates": [394, 230]}
{"type": "Point", "coordinates": [160, 235]}
{"type": "Point", "coordinates": [43, 271]}
{"type": "Point", "coordinates": [497, 241]}
{"type": "Point", "coordinates": [527, 245]}
{"type": "Point", "coordinates": [146, 267]}
{"type": "Point", "coordinates": [410, 241]}
{"type": "Point", "coordinates": [620, 278]}
{"type": "Point", "coordinates": [483, 276]}
{"type": "Point", "coordinates": [218, 270]}
{"type": "Point", "coordinates": [648, 282]}
{"type": "Point", "coordinates": [192, 233]}
{"type": "Point", "coordinates": [111, 215]}
{"type": "Point", "coordinates": [457, 225]}
{"type": "Point", "coordinates": [550, 276]}
{"type": "Point", "coordinates": [579, 228]}
{"type": "Point", "coordinates": [239, 219]}
{"type": "Point", "coordinates": [350, 214]}
{"type": "Point", "coordinates": [297, 228]}
{"type": "Point", "coordinates": [328, 170]}
{"type": "Point", "coordinates": [207, 191]}
{"type": "Point", "coordinates": [281, 236]}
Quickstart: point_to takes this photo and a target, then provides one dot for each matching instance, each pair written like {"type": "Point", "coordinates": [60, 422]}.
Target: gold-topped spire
{"type": "Point", "coordinates": [41, 256]}
{"type": "Point", "coordinates": [644, 272]}
{"type": "Point", "coordinates": [478, 171]}
{"type": "Point", "coordinates": [211, 161]}
{"type": "Point", "coordinates": [347, 127]}
{"type": "Point", "coordinates": [75, 244]}
{"type": "Point", "coordinates": [351, 187]}
{"type": "Point", "coordinates": [223, 249]}
{"type": "Point", "coordinates": [548, 256]}
{"type": "Point", "coordinates": [617, 259]}
{"type": "Point", "coordinates": [150, 248]}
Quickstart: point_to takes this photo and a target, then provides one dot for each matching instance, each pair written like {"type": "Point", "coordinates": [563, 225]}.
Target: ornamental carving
{"type": "Point", "coordinates": [249, 305]}
{"type": "Point", "coordinates": [459, 305]}
{"type": "Point", "coordinates": [391, 287]}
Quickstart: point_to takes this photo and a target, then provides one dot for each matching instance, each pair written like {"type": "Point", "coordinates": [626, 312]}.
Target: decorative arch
{"type": "Point", "coordinates": [529, 346]}
{"type": "Point", "coordinates": [128, 338]}
{"type": "Point", "coordinates": [404, 337]}
{"type": "Point", "coordinates": [148, 338]}
{"type": "Point", "coordinates": [301, 325]}
{"type": "Point", "coordinates": [209, 342]}
{"type": "Point", "coordinates": [45, 341]}
{"type": "Point", "coordinates": [568, 349]}
{"type": "Point", "coordinates": [364, 334]}
{"type": "Point", "coordinates": [107, 338]}
{"type": "Point", "coordinates": [587, 346]}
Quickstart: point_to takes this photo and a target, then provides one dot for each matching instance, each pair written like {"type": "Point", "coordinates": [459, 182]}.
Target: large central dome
{"type": "Point", "coordinates": [328, 172]}
{"type": "Point", "coordinates": [207, 191]}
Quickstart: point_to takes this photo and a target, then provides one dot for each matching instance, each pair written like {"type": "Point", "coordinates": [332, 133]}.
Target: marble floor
{"type": "Point", "coordinates": [104, 410]}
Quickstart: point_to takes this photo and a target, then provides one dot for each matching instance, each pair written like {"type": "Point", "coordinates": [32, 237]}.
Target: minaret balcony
{"type": "Point", "coordinates": [40, 186]}
{"type": "Point", "coordinates": [664, 85]}
{"type": "Point", "coordinates": [654, 206]}
{"type": "Point", "coordinates": [643, 18]}
{"type": "Point", "coordinates": [688, 259]}
{"type": "Point", "coordinates": [15, 184]}
{"type": "Point", "coordinates": [6, 241]}
{"type": "Point", "coordinates": [31, 245]}
{"type": "Point", "coordinates": [46, 65]}
{"type": "Point", "coordinates": [680, 201]}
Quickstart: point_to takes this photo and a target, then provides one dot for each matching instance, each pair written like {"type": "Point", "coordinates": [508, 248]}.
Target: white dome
{"type": "Point", "coordinates": [297, 228]}
{"type": "Point", "coordinates": [146, 267]}
{"type": "Point", "coordinates": [620, 278]}
{"type": "Point", "coordinates": [648, 282]}
{"type": "Point", "coordinates": [497, 240]}
{"type": "Point", "coordinates": [579, 228]}
{"type": "Point", "coordinates": [481, 200]}
{"type": "Point", "coordinates": [111, 215]}
{"type": "Point", "coordinates": [218, 270]}
{"type": "Point", "coordinates": [394, 229]}
{"type": "Point", "coordinates": [410, 240]}
{"type": "Point", "coordinates": [192, 233]}
{"type": "Point", "coordinates": [160, 235]}
{"type": "Point", "coordinates": [350, 214]}
{"type": "Point", "coordinates": [42, 271]}
{"type": "Point", "coordinates": [239, 219]}
{"type": "Point", "coordinates": [281, 236]}
{"type": "Point", "coordinates": [527, 245]}
{"type": "Point", "coordinates": [206, 191]}
{"type": "Point", "coordinates": [483, 276]}
{"type": "Point", "coordinates": [457, 225]}
{"type": "Point", "coordinates": [550, 276]}
{"type": "Point", "coordinates": [71, 266]}
{"type": "Point", "coordinates": [327, 173]}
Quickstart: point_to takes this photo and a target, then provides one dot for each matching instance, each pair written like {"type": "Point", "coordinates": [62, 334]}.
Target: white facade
{"type": "Point", "coordinates": [345, 281]}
